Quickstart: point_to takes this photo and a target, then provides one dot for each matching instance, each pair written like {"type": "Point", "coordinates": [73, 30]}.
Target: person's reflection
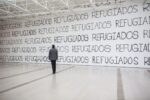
{"type": "Point", "coordinates": [55, 88]}
{"type": "Point", "coordinates": [54, 83]}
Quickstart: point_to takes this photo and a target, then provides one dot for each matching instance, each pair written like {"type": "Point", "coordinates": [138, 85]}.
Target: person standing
{"type": "Point", "coordinates": [53, 56]}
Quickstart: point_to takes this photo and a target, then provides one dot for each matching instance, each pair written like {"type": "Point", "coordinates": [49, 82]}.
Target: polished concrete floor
{"type": "Point", "coordinates": [72, 82]}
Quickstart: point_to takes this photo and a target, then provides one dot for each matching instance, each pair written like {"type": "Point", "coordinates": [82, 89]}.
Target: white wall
{"type": "Point", "coordinates": [114, 35]}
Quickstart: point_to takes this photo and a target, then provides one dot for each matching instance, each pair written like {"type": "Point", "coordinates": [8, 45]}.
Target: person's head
{"type": "Point", "coordinates": [53, 46]}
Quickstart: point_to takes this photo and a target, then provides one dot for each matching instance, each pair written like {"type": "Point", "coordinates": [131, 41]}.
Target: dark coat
{"type": "Point", "coordinates": [53, 54]}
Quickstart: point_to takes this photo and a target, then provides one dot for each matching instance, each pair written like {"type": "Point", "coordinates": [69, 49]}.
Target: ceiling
{"type": "Point", "coordinates": [10, 9]}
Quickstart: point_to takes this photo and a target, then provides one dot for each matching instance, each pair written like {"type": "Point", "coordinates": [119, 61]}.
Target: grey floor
{"type": "Point", "coordinates": [72, 82]}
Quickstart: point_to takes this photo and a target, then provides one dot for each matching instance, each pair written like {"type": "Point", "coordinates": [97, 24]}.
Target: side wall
{"type": "Point", "coordinates": [114, 35]}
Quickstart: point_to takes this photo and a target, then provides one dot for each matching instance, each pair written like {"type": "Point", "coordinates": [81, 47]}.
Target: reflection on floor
{"type": "Point", "coordinates": [72, 82]}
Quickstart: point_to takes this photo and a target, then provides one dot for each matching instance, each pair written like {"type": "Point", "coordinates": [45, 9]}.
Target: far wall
{"type": "Point", "coordinates": [115, 35]}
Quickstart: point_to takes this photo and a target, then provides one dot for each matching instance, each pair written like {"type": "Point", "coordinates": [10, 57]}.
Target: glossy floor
{"type": "Point", "coordinates": [72, 82]}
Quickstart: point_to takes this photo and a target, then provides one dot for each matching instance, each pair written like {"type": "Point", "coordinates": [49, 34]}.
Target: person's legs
{"type": "Point", "coordinates": [53, 62]}
{"type": "Point", "coordinates": [54, 66]}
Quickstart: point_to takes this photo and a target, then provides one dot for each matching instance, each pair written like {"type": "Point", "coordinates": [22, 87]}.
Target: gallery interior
{"type": "Point", "coordinates": [74, 49]}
